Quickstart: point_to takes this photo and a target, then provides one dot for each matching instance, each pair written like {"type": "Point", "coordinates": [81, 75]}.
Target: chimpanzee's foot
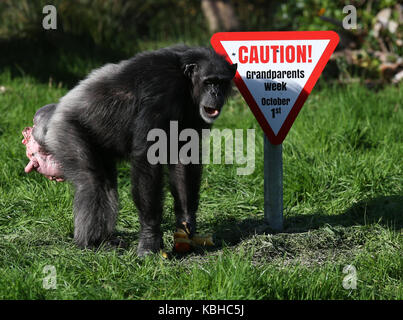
{"type": "Point", "coordinates": [149, 243]}
{"type": "Point", "coordinates": [188, 227]}
{"type": "Point", "coordinates": [116, 243]}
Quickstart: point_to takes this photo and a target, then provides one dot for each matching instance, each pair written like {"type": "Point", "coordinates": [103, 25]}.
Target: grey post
{"type": "Point", "coordinates": [273, 185]}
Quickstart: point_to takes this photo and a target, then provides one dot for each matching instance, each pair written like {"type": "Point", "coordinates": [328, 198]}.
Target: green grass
{"type": "Point", "coordinates": [343, 200]}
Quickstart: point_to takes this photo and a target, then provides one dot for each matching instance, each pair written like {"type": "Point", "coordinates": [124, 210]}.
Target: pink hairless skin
{"type": "Point", "coordinates": [40, 161]}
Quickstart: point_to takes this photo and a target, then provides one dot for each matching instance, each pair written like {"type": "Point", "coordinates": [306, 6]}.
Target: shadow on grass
{"type": "Point", "coordinates": [386, 211]}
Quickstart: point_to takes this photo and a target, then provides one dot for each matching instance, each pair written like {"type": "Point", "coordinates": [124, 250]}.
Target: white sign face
{"type": "Point", "coordinates": [276, 71]}
{"type": "Point", "coordinates": [276, 89]}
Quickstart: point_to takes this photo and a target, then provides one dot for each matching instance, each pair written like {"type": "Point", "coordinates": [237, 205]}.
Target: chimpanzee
{"type": "Point", "coordinates": [107, 117]}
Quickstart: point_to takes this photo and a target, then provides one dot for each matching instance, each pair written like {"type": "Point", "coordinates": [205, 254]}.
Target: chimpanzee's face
{"type": "Point", "coordinates": [211, 86]}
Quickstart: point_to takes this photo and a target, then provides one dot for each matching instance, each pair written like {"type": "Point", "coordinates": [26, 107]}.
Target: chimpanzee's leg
{"type": "Point", "coordinates": [96, 205]}
{"type": "Point", "coordinates": [94, 177]}
{"type": "Point", "coordinates": [147, 189]}
{"type": "Point", "coordinates": [185, 186]}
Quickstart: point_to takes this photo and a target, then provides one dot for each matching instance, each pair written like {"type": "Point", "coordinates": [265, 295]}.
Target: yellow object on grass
{"type": "Point", "coordinates": [183, 243]}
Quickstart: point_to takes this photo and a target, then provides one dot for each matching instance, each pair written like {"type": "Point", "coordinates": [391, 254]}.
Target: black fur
{"type": "Point", "coordinates": [108, 116]}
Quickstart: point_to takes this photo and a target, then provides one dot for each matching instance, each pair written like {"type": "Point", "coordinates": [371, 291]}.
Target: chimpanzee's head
{"type": "Point", "coordinates": [41, 121]}
{"type": "Point", "coordinates": [43, 115]}
{"type": "Point", "coordinates": [211, 76]}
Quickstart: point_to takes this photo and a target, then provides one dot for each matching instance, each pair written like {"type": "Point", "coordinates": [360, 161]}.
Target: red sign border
{"type": "Point", "coordinates": [278, 35]}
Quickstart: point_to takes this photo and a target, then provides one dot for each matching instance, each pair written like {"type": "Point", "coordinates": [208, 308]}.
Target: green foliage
{"type": "Point", "coordinates": [306, 15]}
{"type": "Point", "coordinates": [120, 23]}
{"type": "Point", "coordinates": [115, 23]}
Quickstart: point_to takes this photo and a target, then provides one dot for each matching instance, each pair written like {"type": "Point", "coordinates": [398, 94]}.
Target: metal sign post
{"type": "Point", "coordinates": [273, 185]}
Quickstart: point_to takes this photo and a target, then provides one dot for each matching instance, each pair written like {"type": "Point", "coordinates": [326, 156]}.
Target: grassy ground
{"type": "Point", "coordinates": [343, 200]}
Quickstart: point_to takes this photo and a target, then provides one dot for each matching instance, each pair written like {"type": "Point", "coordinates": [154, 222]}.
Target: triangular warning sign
{"type": "Point", "coordinates": [276, 72]}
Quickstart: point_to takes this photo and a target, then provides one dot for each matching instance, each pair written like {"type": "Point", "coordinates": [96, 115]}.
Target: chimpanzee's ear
{"type": "Point", "coordinates": [189, 69]}
{"type": "Point", "coordinates": [233, 69]}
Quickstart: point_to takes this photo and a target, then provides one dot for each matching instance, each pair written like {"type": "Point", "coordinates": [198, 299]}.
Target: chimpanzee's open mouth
{"type": "Point", "coordinates": [211, 112]}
